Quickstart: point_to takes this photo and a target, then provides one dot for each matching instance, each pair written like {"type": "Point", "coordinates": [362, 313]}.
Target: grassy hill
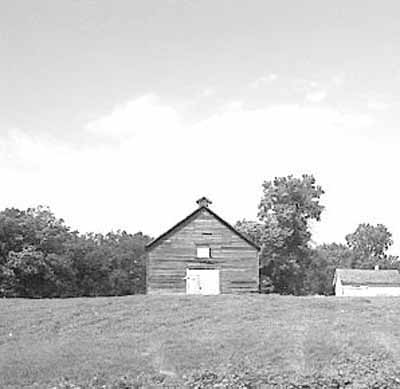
{"type": "Point", "coordinates": [231, 340]}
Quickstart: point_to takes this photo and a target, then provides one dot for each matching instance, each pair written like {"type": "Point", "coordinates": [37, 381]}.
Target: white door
{"type": "Point", "coordinates": [202, 281]}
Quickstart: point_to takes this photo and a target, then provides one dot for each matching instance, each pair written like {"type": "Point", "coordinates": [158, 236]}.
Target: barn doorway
{"type": "Point", "coordinates": [202, 281]}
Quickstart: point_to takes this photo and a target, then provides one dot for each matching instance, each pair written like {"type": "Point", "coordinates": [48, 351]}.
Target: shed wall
{"type": "Point", "coordinates": [371, 291]}
{"type": "Point", "coordinates": [338, 287]}
{"type": "Point", "coordinates": [365, 290]}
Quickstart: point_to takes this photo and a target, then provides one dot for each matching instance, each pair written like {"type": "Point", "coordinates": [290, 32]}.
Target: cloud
{"type": "Point", "coordinates": [141, 115]}
{"type": "Point", "coordinates": [338, 80]}
{"type": "Point", "coordinates": [316, 96]}
{"type": "Point", "coordinates": [377, 105]}
{"type": "Point", "coordinates": [207, 92]}
{"type": "Point", "coordinates": [155, 165]}
{"type": "Point", "coordinates": [261, 81]}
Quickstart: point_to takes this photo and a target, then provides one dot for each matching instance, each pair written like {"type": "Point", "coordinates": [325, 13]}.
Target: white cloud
{"type": "Point", "coordinates": [259, 82]}
{"type": "Point", "coordinates": [137, 116]}
{"type": "Point", "coordinates": [232, 106]}
{"type": "Point", "coordinates": [377, 105]}
{"type": "Point", "coordinates": [152, 175]}
{"type": "Point", "coordinates": [338, 80]}
{"type": "Point", "coordinates": [207, 92]}
{"type": "Point", "coordinates": [316, 96]}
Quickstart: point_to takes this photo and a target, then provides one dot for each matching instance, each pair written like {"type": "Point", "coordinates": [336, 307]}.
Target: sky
{"type": "Point", "coordinates": [119, 115]}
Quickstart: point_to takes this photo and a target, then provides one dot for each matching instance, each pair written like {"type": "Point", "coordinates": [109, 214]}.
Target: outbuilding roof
{"type": "Point", "coordinates": [368, 277]}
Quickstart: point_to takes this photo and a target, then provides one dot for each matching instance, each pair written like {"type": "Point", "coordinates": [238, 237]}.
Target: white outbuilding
{"type": "Point", "coordinates": [360, 282]}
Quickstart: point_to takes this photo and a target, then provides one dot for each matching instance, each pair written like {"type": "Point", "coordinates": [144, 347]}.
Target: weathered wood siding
{"type": "Point", "coordinates": [236, 259]}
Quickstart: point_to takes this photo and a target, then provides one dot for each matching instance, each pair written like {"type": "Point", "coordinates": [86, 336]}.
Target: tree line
{"type": "Point", "coordinates": [289, 263]}
{"type": "Point", "coordinates": [40, 256]}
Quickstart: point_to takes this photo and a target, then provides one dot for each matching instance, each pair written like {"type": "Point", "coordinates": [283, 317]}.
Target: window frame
{"type": "Point", "coordinates": [203, 248]}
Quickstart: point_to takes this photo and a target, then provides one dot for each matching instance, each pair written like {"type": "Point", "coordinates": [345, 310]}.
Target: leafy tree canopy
{"type": "Point", "coordinates": [251, 229]}
{"type": "Point", "coordinates": [41, 257]}
{"type": "Point", "coordinates": [287, 206]}
{"type": "Point", "coordinates": [369, 244]}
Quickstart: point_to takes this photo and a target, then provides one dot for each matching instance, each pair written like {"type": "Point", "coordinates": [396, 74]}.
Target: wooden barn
{"type": "Point", "coordinates": [202, 254]}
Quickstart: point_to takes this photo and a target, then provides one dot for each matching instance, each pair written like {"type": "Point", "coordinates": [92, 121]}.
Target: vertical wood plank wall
{"type": "Point", "coordinates": [236, 259]}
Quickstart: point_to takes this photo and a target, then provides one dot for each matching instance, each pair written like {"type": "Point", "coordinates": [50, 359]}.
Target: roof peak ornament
{"type": "Point", "coordinates": [203, 202]}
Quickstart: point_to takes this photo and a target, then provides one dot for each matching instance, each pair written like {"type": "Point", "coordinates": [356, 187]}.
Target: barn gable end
{"type": "Point", "coordinates": [171, 255]}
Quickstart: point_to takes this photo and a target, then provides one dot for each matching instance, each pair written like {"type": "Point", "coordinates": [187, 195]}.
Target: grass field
{"type": "Point", "coordinates": [230, 340]}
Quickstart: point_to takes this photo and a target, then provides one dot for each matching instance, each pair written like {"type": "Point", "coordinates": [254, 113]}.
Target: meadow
{"type": "Point", "coordinates": [200, 341]}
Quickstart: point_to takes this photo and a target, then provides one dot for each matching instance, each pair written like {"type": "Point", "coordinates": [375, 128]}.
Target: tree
{"type": "Point", "coordinates": [323, 262]}
{"type": "Point", "coordinates": [13, 232]}
{"type": "Point", "coordinates": [29, 273]}
{"type": "Point", "coordinates": [36, 227]}
{"type": "Point", "coordinates": [251, 230]}
{"type": "Point", "coordinates": [50, 234]}
{"type": "Point", "coordinates": [64, 276]}
{"type": "Point", "coordinates": [41, 257]}
{"type": "Point", "coordinates": [369, 244]}
{"type": "Point", "coordinates": [286, 209]}
{"type": "Point", "coordinates": [111, 264]}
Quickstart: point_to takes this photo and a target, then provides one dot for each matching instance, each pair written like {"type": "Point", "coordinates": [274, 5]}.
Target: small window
{"type": "Point", "coordinates": [203, 252]}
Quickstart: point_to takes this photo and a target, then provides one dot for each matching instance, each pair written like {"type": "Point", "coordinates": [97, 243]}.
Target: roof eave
{"type": "Point", "coordinates": [376, 284]}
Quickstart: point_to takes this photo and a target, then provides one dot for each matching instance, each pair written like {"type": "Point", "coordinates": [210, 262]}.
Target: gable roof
{"type": "Point", "coordinates": [368, 277]}
{"type": "Point", "coordinates": [192, 216]}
